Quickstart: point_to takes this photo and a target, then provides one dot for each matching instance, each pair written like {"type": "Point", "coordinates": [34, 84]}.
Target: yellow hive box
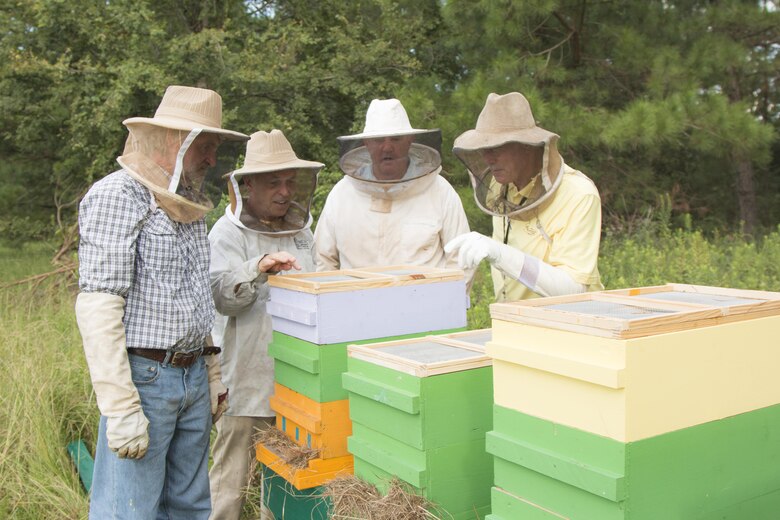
{"type": "Point", "coordinates": [632, 364]}
{"type": "Point", "coordinates": [316, 473]}
{"type": "Point", "coordinates": [322, 426]}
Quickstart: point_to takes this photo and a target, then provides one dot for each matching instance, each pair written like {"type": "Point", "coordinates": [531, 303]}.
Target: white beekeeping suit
{"type": "Point", "coordinates": [266, 224]}
{"type": "Point", "coordinates": [392, 206]}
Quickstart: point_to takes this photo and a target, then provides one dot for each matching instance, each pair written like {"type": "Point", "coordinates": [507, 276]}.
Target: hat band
{"type": "Point", "coordinates": [272, 158]}
{"type": "Point", "coordinates": [189, 116]}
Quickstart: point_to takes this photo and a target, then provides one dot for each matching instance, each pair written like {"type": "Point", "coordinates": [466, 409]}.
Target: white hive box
{"type": "Point", "coordinates": [356, 304]}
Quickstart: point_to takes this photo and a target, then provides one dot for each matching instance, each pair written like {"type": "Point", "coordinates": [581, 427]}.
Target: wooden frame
{"type": "Point", "coordinates": [457, 338]}
{"type": "Point", "coordinates": [675, 315]}
{"type": "Point", "coordinates": [364, 278]}
{"type": "Point", "coordinates": [371, 353]}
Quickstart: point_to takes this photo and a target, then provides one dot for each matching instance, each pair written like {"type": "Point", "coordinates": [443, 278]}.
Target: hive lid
{"type": "Point", "coordinates": [426, 356]}
{"type": "Point", "coordinates": [364, 278]}
{"type": "Point", "coordinates": [644, 311]}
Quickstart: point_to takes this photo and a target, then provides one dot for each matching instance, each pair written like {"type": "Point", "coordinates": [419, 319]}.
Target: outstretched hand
{"type": "Point", "coordinates": [276, 262]}
{"type": "Point", "coordinates": [473, 248]}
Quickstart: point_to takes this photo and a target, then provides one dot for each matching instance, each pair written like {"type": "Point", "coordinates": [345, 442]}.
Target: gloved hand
{"type": "Point", "coordinates": [127, 435]}
{"type": "Point", "coordinates": [99, 316]}
{"type": "Point", "coordinates": [217, 390]}
{"type": "Point", "coordinates": [540, 277]}
{"type": "Point", "coordinates": [473, 248]}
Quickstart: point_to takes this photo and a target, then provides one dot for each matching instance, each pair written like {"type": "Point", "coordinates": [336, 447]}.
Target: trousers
{"type": "Point", "coordinates": [171, 481]}
{"type": "Point", "coordinates": [233, 453]}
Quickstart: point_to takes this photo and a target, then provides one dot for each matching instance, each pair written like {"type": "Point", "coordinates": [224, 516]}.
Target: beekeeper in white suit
{"type": "Point", "coordinates": [145, 310]}
{"type": "Point", "coordinates": [392, 206]}
{"type": "Point", "coordinates": [546, 215]}
{"type": "Point", "coordinates": [265, 229]}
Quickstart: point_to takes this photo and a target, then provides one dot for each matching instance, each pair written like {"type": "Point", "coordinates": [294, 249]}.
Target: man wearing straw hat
{"type": "Point", "coordinates": [546, 215]}
{"type": "Point", "coordinates": [264, 230]}
{"type": "Point", "coordinates": [145, 311]}
{"type": "Point", "coordinates": [392, 207]}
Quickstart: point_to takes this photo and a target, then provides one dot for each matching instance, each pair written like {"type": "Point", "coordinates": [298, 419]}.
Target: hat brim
{"type": "Point", "coordinates": [277, 167]}
{"type": "Point", "coordinates": [375, 135]}
{"type": "Point", "coordinates": [475, 139]}
{"type": "Point", "coordinates": [180, 124]}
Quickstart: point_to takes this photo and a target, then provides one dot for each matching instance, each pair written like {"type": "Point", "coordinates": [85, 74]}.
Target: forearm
{"type": "Point", "coordinates": [541, 277]}
{"type": "Point", "coordinates": [235, 290]}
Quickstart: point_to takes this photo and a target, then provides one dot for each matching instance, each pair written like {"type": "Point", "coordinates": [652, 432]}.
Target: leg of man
{"type": "Point", "coordinates": [186, 492]}
{"type": "Point", "coordinates": [233, 454]}
{"type": "Point", "coordinates": [132, 488]}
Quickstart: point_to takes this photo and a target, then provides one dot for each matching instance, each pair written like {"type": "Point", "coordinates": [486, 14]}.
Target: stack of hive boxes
{"type": "Point", "coordinates": [648, 403]}
{"type": "Point", "coordinates": [315, 317]}
{"type": "Point", "coordinates": [420, 410]}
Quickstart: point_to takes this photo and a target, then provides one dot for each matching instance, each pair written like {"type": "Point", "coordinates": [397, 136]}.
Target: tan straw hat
{"type": "Point", "coordinates": [187, 108]}
{"type": "Point", "coordinates": [385, 118]}
{"type": "Point", "coordinates": [271, 152]}
{"type": "Point", "coordinates": [504, 119]}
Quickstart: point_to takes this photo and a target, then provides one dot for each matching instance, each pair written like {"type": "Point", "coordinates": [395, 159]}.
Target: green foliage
{"type": "Point", "coordinates": [679, 256]}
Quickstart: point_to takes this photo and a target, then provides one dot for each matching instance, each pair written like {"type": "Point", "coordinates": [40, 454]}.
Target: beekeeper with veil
{"type": "Point", "coordinates": [145, 309]}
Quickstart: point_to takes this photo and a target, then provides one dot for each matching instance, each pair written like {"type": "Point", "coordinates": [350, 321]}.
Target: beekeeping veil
{"type": "Point", "coordinates": [367, 157]}
{"type": "Point", "coordinates": [508, 119]}
{"type": "Point", "coordinates": [279, 199]}
{"type": "Point", "coordinates": [181, 152]}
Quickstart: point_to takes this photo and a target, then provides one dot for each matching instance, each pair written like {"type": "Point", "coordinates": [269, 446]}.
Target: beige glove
{"type": "Point", "coordinates": [99, 316]}
{"type": "Point", "coordinates": [217, 391]}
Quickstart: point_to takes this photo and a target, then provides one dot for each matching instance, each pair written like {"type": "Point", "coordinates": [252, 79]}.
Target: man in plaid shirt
{"type": "Point", "coordinates": [145, 310]}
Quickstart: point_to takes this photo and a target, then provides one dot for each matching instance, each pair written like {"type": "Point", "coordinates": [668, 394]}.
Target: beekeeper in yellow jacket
{"type": "Point", "coordinates": [546, 215]}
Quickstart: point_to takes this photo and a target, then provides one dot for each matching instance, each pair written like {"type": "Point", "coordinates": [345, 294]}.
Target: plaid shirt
{"type": "Point", "coordinates": [160, 267]}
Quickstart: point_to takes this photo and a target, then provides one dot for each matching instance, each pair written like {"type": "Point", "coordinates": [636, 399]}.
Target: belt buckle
{"type": "Point", "coordinates": [181, 358]}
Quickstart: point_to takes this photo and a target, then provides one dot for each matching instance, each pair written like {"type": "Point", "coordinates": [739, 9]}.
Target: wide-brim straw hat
{"type": "Point", "coordinates": [271, 152]}
{"type": "Point", "coordinates": [188, 108]}
{"type": "Point", "coordinates": [504, 119]}
{"type": "Point", "coordinates": [385, 118]}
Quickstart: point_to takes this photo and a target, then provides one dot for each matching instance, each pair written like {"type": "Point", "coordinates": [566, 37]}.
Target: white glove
{"type": "Point", "coordinates": [217, 390]}
{"type": "Point", "coordinates": [539, 276]}
{"type": "Point", "coordinates": [475, 247]}
{"type": "Point", "coordinates": [99, 316]}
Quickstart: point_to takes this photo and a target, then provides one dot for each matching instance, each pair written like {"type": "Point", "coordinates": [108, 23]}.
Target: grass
{"type": "Point", "coordinates": [47, 399]}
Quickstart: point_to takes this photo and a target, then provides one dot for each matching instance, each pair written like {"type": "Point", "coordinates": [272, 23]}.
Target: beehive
{"type": "Point", "coordinates": [315, 317]}
{"type": "Point", "coordinates": [321, 426]}
{"type": "Point", "coordinates": [352, 305]}
{"type": "Point", "coordinates": [288, 503]}
{"type": "Point", "coordinates": [657, 402]}
{"type": "Point", "coordinates": [420, 409]}
{"type": "Point", "coordinates": [315, 370]}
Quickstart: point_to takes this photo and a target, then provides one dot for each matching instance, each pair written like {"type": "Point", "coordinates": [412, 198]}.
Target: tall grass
{"type": "Point", "coordinates": [46, 399]}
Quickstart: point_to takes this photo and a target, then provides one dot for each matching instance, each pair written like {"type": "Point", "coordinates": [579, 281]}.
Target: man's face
{"type": "Point", "coordinates": [200, 156]}
{"type": "Point", "coordinates": [389, 156]}
{"type": "Point", "coordinates": [270, 194]}
{"type": "Point", "coordinates": [514, 162]}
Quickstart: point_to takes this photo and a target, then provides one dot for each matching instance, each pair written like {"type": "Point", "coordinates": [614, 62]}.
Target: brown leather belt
{"type": "Point", "coordinates": [174, 359]}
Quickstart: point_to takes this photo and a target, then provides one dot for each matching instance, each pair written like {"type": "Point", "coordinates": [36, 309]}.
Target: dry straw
{"type": "Point", "coordinates": [292, 454]}
{"type": "Point", "coordinates": [351, 499]}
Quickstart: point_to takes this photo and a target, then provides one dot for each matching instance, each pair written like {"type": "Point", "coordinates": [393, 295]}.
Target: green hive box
{"type": "Point", "coordinates": [420, 410]}
{"type": "Point", "coordinates": [423, 412]}
{"type": "Point", "coordinates": [315, 370]}
{"type": "Point", "coordinates": [288, 503]}
{"type": "Point", "coordinates": [725, 470]}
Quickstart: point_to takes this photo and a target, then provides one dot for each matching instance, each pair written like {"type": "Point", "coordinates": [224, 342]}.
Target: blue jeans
{"type": "Point", "coordinates": [171, 481]}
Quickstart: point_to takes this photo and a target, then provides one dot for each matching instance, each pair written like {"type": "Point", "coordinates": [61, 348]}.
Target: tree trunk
{"type": "Point", "coordinates": [746, 193]}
